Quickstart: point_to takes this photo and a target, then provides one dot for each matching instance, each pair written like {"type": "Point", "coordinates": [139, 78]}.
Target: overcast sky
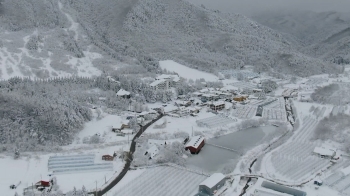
{"type": "Point", "coordinates": [250, 7]}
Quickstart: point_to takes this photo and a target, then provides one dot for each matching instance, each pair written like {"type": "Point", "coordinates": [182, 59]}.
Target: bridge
{"type": "Point", "coordinates": [222, 147]}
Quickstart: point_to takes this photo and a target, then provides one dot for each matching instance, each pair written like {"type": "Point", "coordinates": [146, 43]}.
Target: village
{"type": "Point", "coordinates": [177, 135]}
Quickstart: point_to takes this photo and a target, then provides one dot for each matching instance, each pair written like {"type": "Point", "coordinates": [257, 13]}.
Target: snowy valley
{"type": "Point", "coordinates": [164, 97]}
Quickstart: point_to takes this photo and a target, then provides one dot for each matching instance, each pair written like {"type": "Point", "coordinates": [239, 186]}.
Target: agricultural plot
{"type": "Point", "coordinates": [295, 160]}
{"type": "Point", "coordinates": [274, 114]}
{"type": "Point", "coordinates": [278, 104]}
{"type": "Point", "coordinates": [256, 102]}
{"type": "Point", "coordinates": [338, 110]}
{"type": "Point", "coordinates": [316, 81]}
{"type": "Point", "coordinates": [319, 112]}
{"type": "Point", "coordinates": [215, 121]}
{"type": "Point", "coordinates": [163, 181]}
{"type": "Point", "coordinates": [339, 182]}
{"type": "Point", "coordinates": [76, 163]}
{"type": "Point", "coordinates": [243, 85]}
{"type": "Point", "coordinates": [244, 112]}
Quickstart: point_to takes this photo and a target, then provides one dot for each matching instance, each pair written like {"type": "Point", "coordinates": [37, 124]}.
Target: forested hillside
{"type": "Point", "coordinates": [85, 37]}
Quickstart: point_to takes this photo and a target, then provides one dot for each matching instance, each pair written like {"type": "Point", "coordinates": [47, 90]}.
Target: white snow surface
{"type": "Point", "coordinates": [187, 72]}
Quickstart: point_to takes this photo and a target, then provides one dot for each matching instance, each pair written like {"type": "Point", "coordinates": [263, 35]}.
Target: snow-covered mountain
{"type": "Point", "coordinates": [324, 35]}
{"type": "Point", "coordinates": [44, 38]}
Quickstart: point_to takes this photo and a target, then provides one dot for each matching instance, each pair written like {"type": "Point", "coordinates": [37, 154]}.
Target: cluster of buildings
{"type": "Point", "coordinates": [164, 82]}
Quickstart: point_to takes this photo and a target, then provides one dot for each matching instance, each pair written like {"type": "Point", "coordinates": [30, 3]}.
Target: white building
{"type": "Point", "coordinates": [212, 184]}
{"type": "Point", "coordinates": [183, 111]}
{"type": "Point", "coordinates": [164, 82]}
{"type": "Point", "coordinates": [325, 152]}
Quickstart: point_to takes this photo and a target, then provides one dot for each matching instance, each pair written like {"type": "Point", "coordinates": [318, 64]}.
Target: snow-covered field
{"type": "Point", "coordinates": [162, 181]}
{"type": "Point", "coordinates": [31, 168]}
{"type": "Point", "coordinates": [187, 72]}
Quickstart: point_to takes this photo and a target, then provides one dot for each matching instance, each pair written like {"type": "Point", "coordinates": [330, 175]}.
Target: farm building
{"type": "Point", "coordinates": [107, 157]}
{"type": "Point", "coordinates": [282, 189]}
{"type": "Point", "coordinates": [152, 152]}
{"type": "Point", "coordinates": [42, 183]}
{"type": "Point", "coordinates": [325, 152]}
{"type": "Point", "coordinates": [183, 111]}
{"type": "Point", "coordinates": [195, 144]}
{"type": "Point", "coordinates": [240, 98]}
{"type": "Point", "coordinates": [123, 94]}
{"type": "Point", "coordinates": [212, 184]}
{"type": "Point", "coordinates": [218, 105]}
{"type": "Point", "coordinates": [194, 109]}
{"type": "Point", "coordinates": [259, 111]}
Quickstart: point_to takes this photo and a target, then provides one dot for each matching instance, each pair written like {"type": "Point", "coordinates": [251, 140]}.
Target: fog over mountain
{"type": "Point", "coordinates": [252, 7]}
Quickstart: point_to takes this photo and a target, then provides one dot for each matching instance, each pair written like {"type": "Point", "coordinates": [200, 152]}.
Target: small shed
{"type": "Point", "coordinates": [42, 183]}
{"type": "Point", "coordinates": [107, 157]}
{"type": "Point", "coordinates": [212, 184]}
{"type": "Point", "coordinates": [324, 152]}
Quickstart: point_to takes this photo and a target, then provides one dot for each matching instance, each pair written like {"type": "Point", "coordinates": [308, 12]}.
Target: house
{"type": "Point", "coordinates": [210, 185]}
{"type": "Point", "coordinates": [209, 97]}
{"type": "Point", "coordinates": [183, 111]}
{"type": "Point", "coordinates": [325, 152]}
{"type": "Point", "coordinates": [123, 94]}
{"type": "Point", "coordinates": [218, 105]}
{"type": "Point", "coordinates": [194, 110]}
{"type": "Point", "coordinates": [197, 94]}
{"type": "Point", "coordinates": [107, 157]}
{"type": "Point", "coordinates": [152, 152]}
{"type": "Point", "coordinates": [282, 189]}
{"type": "Point", "coordinates": [195, 144]}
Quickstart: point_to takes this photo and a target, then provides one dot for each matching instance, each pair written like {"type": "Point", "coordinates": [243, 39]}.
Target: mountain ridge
{"type": "Point", "coordinates": [144, 32]}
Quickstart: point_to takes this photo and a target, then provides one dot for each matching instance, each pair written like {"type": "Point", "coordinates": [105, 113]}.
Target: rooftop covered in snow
{"type": "Point", "coordinates": [123, 92]}
{"type": "Point", "coordinates": [195, 141]}
{"type": "Point", "coordinates": [324, 151]}
{"type": "Point", "coordinates": [213, 180]}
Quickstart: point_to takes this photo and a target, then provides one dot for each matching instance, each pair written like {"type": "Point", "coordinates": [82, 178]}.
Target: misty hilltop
{"type": "Point", "coordinates": [322, 35]}
{"type": "Point", "coordinates": [44, 38]}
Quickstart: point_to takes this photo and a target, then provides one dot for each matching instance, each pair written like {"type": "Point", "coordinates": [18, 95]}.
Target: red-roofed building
{"type": "Point", "coordinates": [195, 144]}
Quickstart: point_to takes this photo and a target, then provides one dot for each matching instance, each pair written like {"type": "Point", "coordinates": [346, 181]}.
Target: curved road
{"type": "Point", "coordinates": [128, 161]}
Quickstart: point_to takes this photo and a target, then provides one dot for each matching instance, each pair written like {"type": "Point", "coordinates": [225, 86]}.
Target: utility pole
{"type": "Point", "coordinates": [96, 189]}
